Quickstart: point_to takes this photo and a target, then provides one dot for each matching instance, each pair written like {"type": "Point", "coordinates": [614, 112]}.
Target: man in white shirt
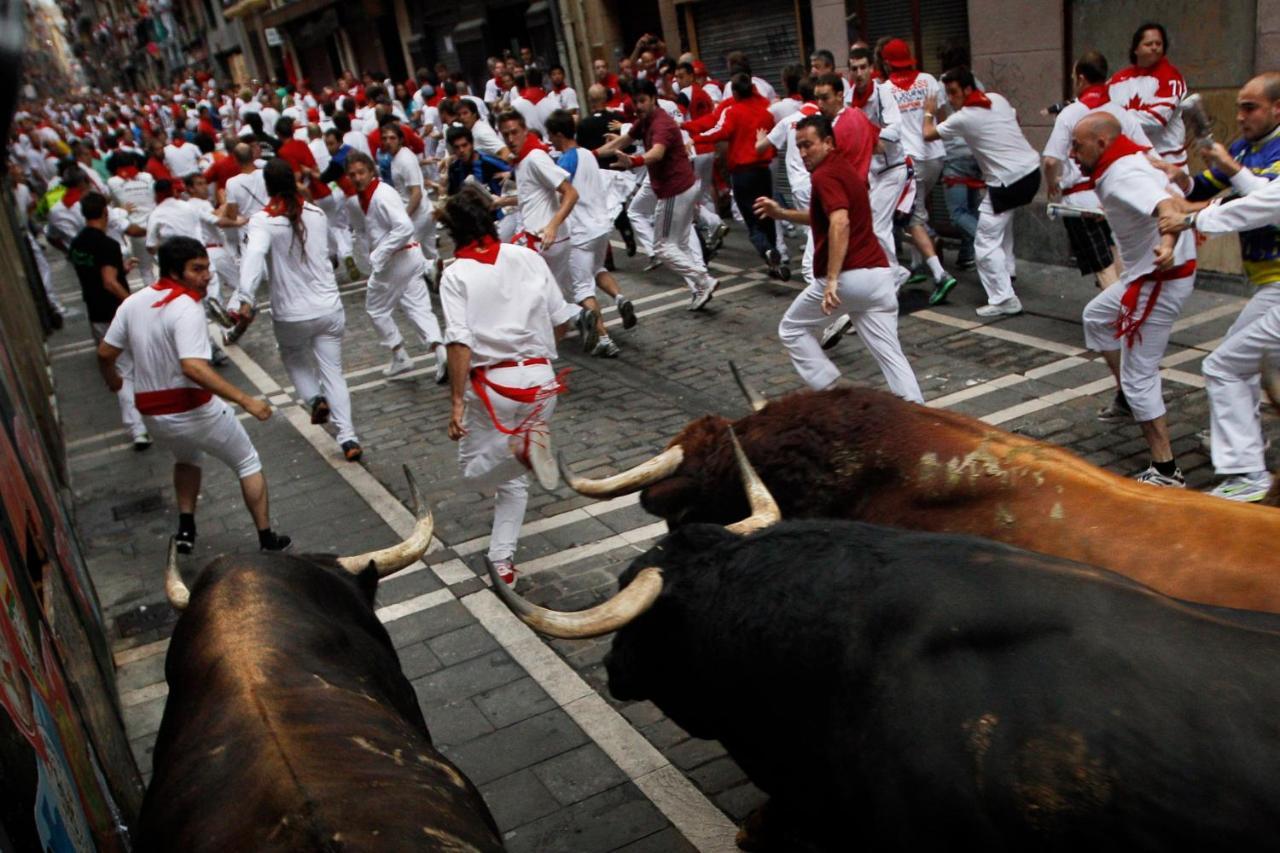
{"type": "Point", "coordinates": [503, 314]}
{"type": "Point", "coordinates": [782, 138]}
{"type": "Point", "coordinates": [397, 277]}
{"type": "Point", "coordinates": [1089, 236]}
{"type": "Point", "coordinates": [1130, 321]}
{"type": "Point", "coordinates": [589, 228]}
{"type": "Point", "coordinates": [545, 197]}
{"type": "Point", "coordinates": [562, 95]}
{"type": "Point", "coordinates": [485, 138]}
{"type": "Point", "coordinates": [181, 158]}
{"type": "Point", "coordinates": [911, 88]}
{"type": "Point", "coordinates": [350, 135]}
{"type": "Point", "coordinates": [290, 238]}
{"type": "Point", "coordinates": [132, 189]}
{"type": "Point", "coordinates": [162, 330]}
{"type": "Point", "coordinates": [1010, 168]}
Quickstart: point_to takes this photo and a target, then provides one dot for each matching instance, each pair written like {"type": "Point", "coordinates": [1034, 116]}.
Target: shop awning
{"type": "Point", "coordinates": [293, 11]}
{"type": "Point", "coordinates": [244, 7]}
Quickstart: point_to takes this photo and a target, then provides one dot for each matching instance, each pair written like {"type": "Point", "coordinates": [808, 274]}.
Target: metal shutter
{"type": "Point", "coordinates": [940, 21]}
{"type": "Point", "coordinates": [764, 31]}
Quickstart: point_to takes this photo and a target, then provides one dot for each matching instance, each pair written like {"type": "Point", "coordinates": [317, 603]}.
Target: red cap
{"type": "Point", "coordinates": [897, 55]}
{"type": "Point", "coordinates": [699, 67]}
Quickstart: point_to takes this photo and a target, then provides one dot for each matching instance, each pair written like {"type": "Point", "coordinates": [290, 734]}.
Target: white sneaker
{"type": "Point", "coordinates": [442, 364]}
{"type": "Point", "coordinates": [832, 334]}
{"type": "Point", "coordinates": [653, 264]}
{"type": "Point", "coordinates": [1244, 487]}
{"type": "Point", "coordinates": [1009, 306]}
{"type": "Point", "coordinates": [1152, 477]}
{"type": "Point", "coordinates": [703, 296]}
{"type": "Point", "coordinates": [400, 363]}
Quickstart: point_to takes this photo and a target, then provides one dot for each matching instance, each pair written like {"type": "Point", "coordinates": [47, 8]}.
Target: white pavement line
{"type": "Point", "coordinates": [1005, 381]}
{"type": "Point", "coordinates": [72, 349]}
{"type": "Point", "coordinates": [94, 439]}
{"type": "Point", "coordinates": [1048, 401]}
{"type": "Point", "coordinates": [1174, 375]}
{"type": "Point", "coordinates": [475, 546]}
{"type": "Point", "coordinates": [1191, 353]}
{"type": "Point", "coordinates": [410, 606]}
{"type": "Point", "coordinates": [137, 653]}
{"type": "Point", "coordinates": [1206, 316]}
{"type": "Point", "coordinates": [671, 306]}
{"type": "Point", "coordinates": [130, 698]}
{"type": "Point", "coordinates": [631, 538]}
{"type": "Point", "coordinates": [996, 331]}
{"type": "Point", "coordinates": [693, 815]}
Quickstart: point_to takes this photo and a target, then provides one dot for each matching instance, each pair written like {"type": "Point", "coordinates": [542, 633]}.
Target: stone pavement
{"type": "Point", "coordinates": [562, 765]}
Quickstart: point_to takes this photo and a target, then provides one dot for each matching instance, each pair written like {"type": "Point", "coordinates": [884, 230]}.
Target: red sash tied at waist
{"type": "Point", "coordinates": [1129, 324]}
{"type": "Point", "coordinates": [535, 396]}
{"type": "Point", "coordinates": [171, 401]}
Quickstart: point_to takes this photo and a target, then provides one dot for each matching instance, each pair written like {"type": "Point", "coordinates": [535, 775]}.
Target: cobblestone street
{"type": "Point", "coordinates": [562, 765]}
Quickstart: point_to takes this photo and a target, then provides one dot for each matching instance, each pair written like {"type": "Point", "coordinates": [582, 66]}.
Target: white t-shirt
{"type": "Point", "coordinates": [157, 339]}
{"type": "Point", "coordinates": [211, 234]}
{"type": "Point", "coordinates": [763, 87]}
{"type": "Point", "coordinates": [533, 114]}
{"type": "Point", "coordinates": [590, 216]}
{"type": "Point", "coordinates": [996, 140]}
{"type": "Point", "coordinates": [1059, 146]}
{"type": "Point", "coordinates": [713, 91]}
{"type": "Point", "coordinates": [486, 138]}
{"type": "Point", "coordinates": [173, 217]}
{"type": "Point", "coordinates": [911, 105]}
{"type": "Point", "coordinates": [138, 191]}
{"type": "Point", "coordinates": [1130, 189]}
{"type": "Point", "coordinates": [182, 160]}
{"type": "Point", "coordinates": [248, 192]}
{"type": "Point", "coordinates": [783, 139]}
{"type": "Point", "coordinates": [303, 286]}
{"type": "Point", "coordinates": [783, 108]}
{"type": "Point", "coordinates": [565, 99]}
{"type": "Point", "coordinates": [504, 311]}
{"type": "Point", "coordinates": [406, 173]}
{"type": "Point", "coordinates": [537, 178]}
{"type": "Point", "coordinates": [357, 140]}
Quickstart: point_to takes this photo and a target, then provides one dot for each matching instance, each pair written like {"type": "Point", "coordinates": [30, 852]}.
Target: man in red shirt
{"type": "Point", "coordinates": [749, 173]}
{"type": "Point", "coordinates": [855, 135]}
{"type": "Point", "coordinates": [850, 270]}
{"type": "Point", "coordinates": [673, 181]}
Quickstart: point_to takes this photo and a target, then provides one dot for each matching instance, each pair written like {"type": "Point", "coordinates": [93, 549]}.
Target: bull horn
{"type": "Point", "coordinates": [754, 397]}
{"type": "Point", "coordinates": [764, 509]}
{"type": "Point", "coordinates": [633, 480]}
{"type": "Point", "coordinates": [390, 560]}
{"type": "Point", "coordinates": [174, 589]}
{"type": "Point", "coordinates": [605, 618]}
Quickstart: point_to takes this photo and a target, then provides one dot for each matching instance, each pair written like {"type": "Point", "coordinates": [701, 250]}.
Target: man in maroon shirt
{"type": "Point", "coordinates": [673, 181]}
{"type": "Point", "coordinates": [849, 267]}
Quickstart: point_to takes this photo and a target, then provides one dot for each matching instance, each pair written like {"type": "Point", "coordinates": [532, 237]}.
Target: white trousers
{"type": "Point", "coordinates": [586, 261]}
{"type": "Point", "coordinates": [213, 429]}
{"type": "Point", "coordinates": [1140, 363]}
{"type": "Point", "coordinates": [129, 415]}
{"type": "Point", "coordinates": [226, 271]}
{"type": "Point", "coordinates": [640, 210]}
{"type": "Point", "coordinates": [146, 263]}
{"type": "Point", "coordinates": [993, 252]}
{"type": "Point", "coordinates": [801, 197]}
{"type": "Point", "coordinates": [871, 300]}
{"type": "Point", "coordinates": [401, 285]}
{"type": "Point", "coordinates": [703, 167]}
{"type": "Point", "coordinates": [885, 190]}
{"type": "Point", "coordinates": [424, 229]}
{"type": "Point", "coordinates": [339, 232]}
{"type": "Point", "coordinates": [675, 242]}
{"type": "Point", "coordinates": [312, 354]}
{"type": "Point", "coordinates": [485, 452]}
{"type": "Point", "coordinates": [1231, 375]}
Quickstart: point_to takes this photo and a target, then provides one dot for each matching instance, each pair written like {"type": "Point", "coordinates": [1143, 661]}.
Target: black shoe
{"type": "Point", "coordinates": [784, 272]}
{"type": "Point", "coordinates": [774, 260]}
{"type": "Point", "coordinates": [629, 240]}
{"type": "Point", "coordinates": [276, 543]}
{"type": "Point", "coordinates": [186, 541]}
{"type": "Point", "coordinates": [142, 442]}
{"type": "Point", "coordinates": [627, 312]}
{"type": "Point", "coordinates": [588, 330]}
{"type": "Point", "coordinates": [352, 450]}
{"type": "Point", "coordinates": [319, 410]}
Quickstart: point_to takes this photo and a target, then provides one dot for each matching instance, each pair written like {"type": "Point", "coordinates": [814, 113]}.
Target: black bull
{"type": "Point", "coordinates": [290, 725]}
{"type": "Point", "coordinates": [897, 690]}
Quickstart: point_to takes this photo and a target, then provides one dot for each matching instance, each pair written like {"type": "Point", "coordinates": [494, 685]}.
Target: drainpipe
{"type": "Point", "coordinates": [567, 48]}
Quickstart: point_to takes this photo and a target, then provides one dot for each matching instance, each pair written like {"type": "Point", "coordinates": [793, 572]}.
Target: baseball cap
{"type": "Point", "coordinates": [897, 55]}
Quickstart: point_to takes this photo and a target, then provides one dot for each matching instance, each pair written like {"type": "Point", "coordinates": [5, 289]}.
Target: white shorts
{"type": "Point", "coordinates": [586, 261]}
{"type": "Point", "coordinates": [213, 429]}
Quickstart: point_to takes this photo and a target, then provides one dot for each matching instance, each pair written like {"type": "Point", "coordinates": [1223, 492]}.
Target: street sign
{"type": "Point", "coordinates": [273, 37]}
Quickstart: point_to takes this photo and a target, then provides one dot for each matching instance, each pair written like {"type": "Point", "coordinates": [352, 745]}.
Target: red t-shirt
{"type": "Point", "coordinates": [673, 174]}
{"type": "Point", "coordinates": [836, 186]}
{"type": "Point", "coordinates": [856, 137]}
{"type": "Point", "coordinates": [298, 154]}
{"type": "Point", "coordinates": [223, 169]}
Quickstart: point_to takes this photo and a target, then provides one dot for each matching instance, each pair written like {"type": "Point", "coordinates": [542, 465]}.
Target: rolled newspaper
{"type": "Point", "coordinates": [1057, 210]}
{"type": "Point", "coordinates": [1199, 128]}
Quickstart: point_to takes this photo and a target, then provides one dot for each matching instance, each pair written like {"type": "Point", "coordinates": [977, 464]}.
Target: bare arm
{"type": "Point", "coordinates": [199, 372]}
{"type": "Point", "coordinates": [568, 198]}
{"type": "Point", "coordinates": [1052, 167]}
{"type": "Point", "coordinates": [415, 199]}
{"type": "Point", "coordinates": [615, 144]}
{"type": "Point", "coordinates": [459, 370]}
{"type": "Point", "coordinates": [837, 248]}
{"type": "Point", "coordinates": [112, 284]}
{"type": "Point", "coordinates": [765, 206]}
{"type": "Point", "coordinates": [107, 355]}
{"type": "Point", "coordinates": [930, 128]}
{"type": "Point", "coordinates": [1164, 249]}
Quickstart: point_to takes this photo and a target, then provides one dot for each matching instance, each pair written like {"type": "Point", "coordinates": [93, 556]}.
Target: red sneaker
{"type": "Point", "coordinates": [506, 571]}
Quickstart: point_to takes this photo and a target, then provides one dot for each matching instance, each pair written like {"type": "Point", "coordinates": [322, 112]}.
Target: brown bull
{"type": "Point", "coordinates": [290, 724]}
{"type": "Point", "coordinates": [860, 454]}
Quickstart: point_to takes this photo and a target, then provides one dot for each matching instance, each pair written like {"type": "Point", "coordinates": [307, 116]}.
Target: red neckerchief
{"type": "Point", "coordinates": [1121, 146]}
{"type": "Point", "coordinates": [857, 100]}
{"type": "Point", "coordinates": [1162, 65]}
{"type": "Point", "coordinates": [366, 194]}
{"type": "Point", "coordinates": [904, 79]}
{"type": "Point", "coordinates": [808, 108]}
{"type": "Point", "coordinates": [531, 143]}
{"type": "Point", "coordinates": [277, 206]}
{"type": "Point", "coordinates": [533, 94]}
{"type": "Point", "coordinates": [178, 142]}
{"type": "Point", "coordinates": [176, 289]}
{"type": "Point", "coordinates": [127, 172]}
{"type": "Point", "coordinates": [1094, 96]}
{"type": "Point", "coordinates": [484, 250]}
{"type": "Point", "coordinates": [977, 99]}
{"type": "Point", "coordinates": [71, 196]}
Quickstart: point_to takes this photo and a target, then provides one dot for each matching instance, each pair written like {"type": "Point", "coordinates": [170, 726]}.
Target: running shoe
{"type": "Point", "coordinates": [352, 450]}
{"type": "Point", "coordinates": [400, 363]}
{"type": "Point", "coordinates": [319, 407]}
{"type": "Point", "coordinates": [1246, 488]}
{"type": "Point", "coordinates": [606, 348]}
{"type": "Point", "coordinates": [142, 442]}
{"type": "Point", "coordinates": [588, 328]}
{"type": "Point", "coordinates": [1010, 306]}
{"type": "Point", "coordinates": [774, 261]}
{"type": "Point", "coordinates": [277, 542]}
{"type": "Point", "coordinates": [627, 312]}
{"type": "Point", "coordinates": [1118, 412]}
{"type": "Point", "coordinates": [442, 364]}
{"type": "Point", "coordinates": [506, 570]}
{"type": "Point", "coordinates": [703, 296]}
{"type": "Point", "coordinates": [832, 334]}
{"type": "Point", "coordinates": [941, 289]}
{"type": "Point", "coordinates": [716, 240]}
{"type": "Point", "coordinates": [1152, 477]}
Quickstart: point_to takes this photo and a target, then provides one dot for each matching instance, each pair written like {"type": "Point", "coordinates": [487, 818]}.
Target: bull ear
{"type": "Point", "coordinates": [755, 399]}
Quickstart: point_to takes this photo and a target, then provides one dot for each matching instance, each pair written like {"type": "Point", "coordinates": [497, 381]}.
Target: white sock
{"type": "Point", "coordinates": [604, 339]}
{"type": "Point", "coordinates": [935, 267]}
{"type": "Point", "coordinates": [619, 298]}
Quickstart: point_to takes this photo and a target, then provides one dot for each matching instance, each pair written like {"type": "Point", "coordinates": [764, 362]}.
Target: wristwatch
{"type": "Point", "coordinates": [1189, 221]}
